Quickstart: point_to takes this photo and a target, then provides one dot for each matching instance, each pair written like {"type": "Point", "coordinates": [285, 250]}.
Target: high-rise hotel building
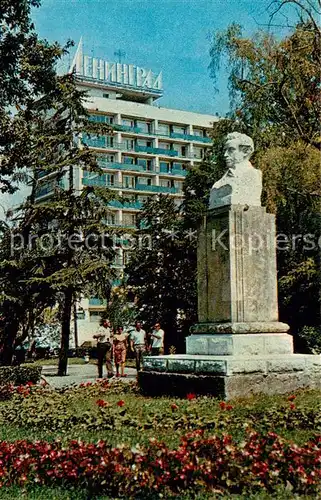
{"type": "Point", "coordinates": [152, 147]}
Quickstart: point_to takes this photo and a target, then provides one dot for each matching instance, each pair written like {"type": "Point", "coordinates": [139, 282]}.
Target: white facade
{"type": "Point", "coordinates": [150, 151]}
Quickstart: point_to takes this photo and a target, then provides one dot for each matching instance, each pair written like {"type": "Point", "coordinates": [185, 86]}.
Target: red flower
{"type": "Point", "coordinates": [229, 407]}
{"type": "Point", "coordinates": [101, 403]}
{"type": "Point", "coordinates": [191, 396]}
{"type": "Point", "coordinates": [174, 406]}
{"type": "Point", "coordinates": [222, 405]}
{"type": "Point", "coordinates": [121, 403]}
{"type": "Point", "coordinates": [292, 406]}
{"type": "Point", "coordinates": [292, 397]}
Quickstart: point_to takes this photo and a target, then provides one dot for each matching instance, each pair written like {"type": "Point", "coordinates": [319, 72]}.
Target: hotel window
{"type": "Point", "coordinates": [143, 126]}
{"type": "Point", "coordinates": [142, 162]}
{"type": "Point", "coordinates": [165, 183]}
{"type": "Point", "coordinates": [178, 185]}
{"type": "Point", "coordinates": [110, 179]}
{"type": "Point", "coordinates": [147, 181]}
{"type": "Point", "coordinates": [198, 132]}
{"type": "Point", "coordinates": [129, 181]}
{"type": "Point", "coordinates": [129, 144]}
{"type": "Point", "coordinates": [177, 166]}
{"type": "Point", "coordinates": [129, 160]}
{"type": "Point", "coordinates": [110, 141]}
{"type": "Point", "coordinates": [165, 167]}
{"type": "Point", "coordinates": [176, 129]}
{"type": "Point", "coordinates": [102, 119]}
{"type": "Point", "coordinates": [128, 123]}
{"type": "Point", "coordinates": [163, 129]}
{"type": "Point", "coordinates": [180, 149]}
{"type": "Point", "coordinates": [104, 159]}
{"type": "Point", "coordinates": [164, 145]}
{"type": "Point", "coordinates": [149, 166]}
{"type": "Point", "coordinates": [142, 142]}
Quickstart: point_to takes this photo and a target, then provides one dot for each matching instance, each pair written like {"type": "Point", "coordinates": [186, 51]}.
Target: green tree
{"type": "Point", "coordinates": [79, 255]}
{"type": "Point", "coordinates": [43, 137]}
{"type": "Point", "coordinates": [275, 98]}
{"type": "Point", "coordinates": [163, 271]}
{"type": "Point", "coordinates": [27, 71]}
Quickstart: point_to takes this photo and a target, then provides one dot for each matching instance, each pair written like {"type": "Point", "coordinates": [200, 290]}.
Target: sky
{"type": "Point", "coordinates": [172, 36]}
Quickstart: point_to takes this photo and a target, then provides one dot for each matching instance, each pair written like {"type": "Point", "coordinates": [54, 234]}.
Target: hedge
{"type": "Point", "coordinates": [20, 375]}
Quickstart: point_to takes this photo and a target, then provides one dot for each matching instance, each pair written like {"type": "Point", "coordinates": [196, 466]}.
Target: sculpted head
{"type": "Point", "coordinates": [238, 149]}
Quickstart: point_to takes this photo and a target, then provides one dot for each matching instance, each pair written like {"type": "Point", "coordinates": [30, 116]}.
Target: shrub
{"type": "Point", "coordinates": [20, 375]}
{"type": "Point", "coordinates": [312, 338]}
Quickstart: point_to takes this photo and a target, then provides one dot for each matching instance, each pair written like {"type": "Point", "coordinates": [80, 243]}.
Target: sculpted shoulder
{"type": "Point", "coordinates": [242, 183]}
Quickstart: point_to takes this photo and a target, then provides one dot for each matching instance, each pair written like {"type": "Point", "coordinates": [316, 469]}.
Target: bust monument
{"type": "Point", "coordinates": [242, 183]}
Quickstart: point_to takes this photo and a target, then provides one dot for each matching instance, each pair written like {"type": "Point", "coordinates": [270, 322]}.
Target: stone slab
{"type": "Point", "coordinates": [226, 387]}
{"type": "Point", "coordinates": [240, 328]}
{"type": "Point", "coordinates": [232, 365]}
{"type": "Point", "coordinates": [240, 344]}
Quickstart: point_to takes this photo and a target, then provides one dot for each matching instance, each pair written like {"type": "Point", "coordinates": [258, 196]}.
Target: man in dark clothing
{"type": "Point", "coordinates": [104, 348]}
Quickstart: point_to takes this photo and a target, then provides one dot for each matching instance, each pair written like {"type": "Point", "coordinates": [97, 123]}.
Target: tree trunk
{"type": "Point", "coordinates": [10, 332]}
{"type": "Point", "coordinates": [65, 332]}
{"type": "Point", "coordinates": [76, 327]}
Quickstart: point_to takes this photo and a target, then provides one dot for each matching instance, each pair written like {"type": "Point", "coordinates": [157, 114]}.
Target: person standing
{"type": "Point", "coordinates": [120, 350]}
{"type": "Point", "coordinates": [138, 343]}
{"type": "Point", "coordinates": [157, 337]}
{"type": "Point", "coordinates": [104, 348]}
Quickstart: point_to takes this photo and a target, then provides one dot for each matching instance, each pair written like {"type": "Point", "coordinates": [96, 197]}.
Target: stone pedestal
{"type": "Point", "coordinates": [236, 267]}
{"type": "Point", "coordinates": [238, 347]}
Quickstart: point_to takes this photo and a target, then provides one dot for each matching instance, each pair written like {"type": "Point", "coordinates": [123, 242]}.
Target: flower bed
{"type": "Point", "coordinates": [252, 449]}
{"type": "Point", "coordinates": [202, 464]}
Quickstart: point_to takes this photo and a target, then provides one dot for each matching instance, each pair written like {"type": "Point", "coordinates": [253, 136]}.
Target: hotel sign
{"type": "Point", "coordinates": [117, 73]}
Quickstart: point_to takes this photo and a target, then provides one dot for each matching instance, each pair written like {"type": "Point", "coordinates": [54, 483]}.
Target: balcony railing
{"type": "Point", "coordinates": [137, 205]}
{"type": "Point", "coordinates": [174, 135]}
{"type": "Point", "coordinates": [104, 143]}
{"type": "Point", "coordinates": [188, 137]}
{"type": "Point", "coordinates": [102, 181]}
{"type": "Point", "coordinates": [123, 166]}
{"type": "Point", "coordinates": [173, 171]}
{"type": "Point", "coordinates": [128, 128]}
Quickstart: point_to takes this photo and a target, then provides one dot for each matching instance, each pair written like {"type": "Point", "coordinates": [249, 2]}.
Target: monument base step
{"type": "Point", "coordinates": [250, 344]}
{"type": "Point", "coordinates": [236, 327]}
{"type": "Point", "coordinates": [229, 376]}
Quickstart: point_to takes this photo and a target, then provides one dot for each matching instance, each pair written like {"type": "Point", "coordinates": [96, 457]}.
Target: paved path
{"type": "Point", "coordinates": [78, 374]}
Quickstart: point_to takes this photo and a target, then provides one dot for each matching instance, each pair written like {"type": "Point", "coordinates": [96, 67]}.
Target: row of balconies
{"type": "Point", "coordinates": [159, 133]}
{"type": "Point", "coordinates": [104, 142]}
{"type": "Point", "coordinates": [131, 167]}
{"type": "Point", "coordinates": [149, 130]}
{"type": "Point", "coordinates": [103, 181]}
